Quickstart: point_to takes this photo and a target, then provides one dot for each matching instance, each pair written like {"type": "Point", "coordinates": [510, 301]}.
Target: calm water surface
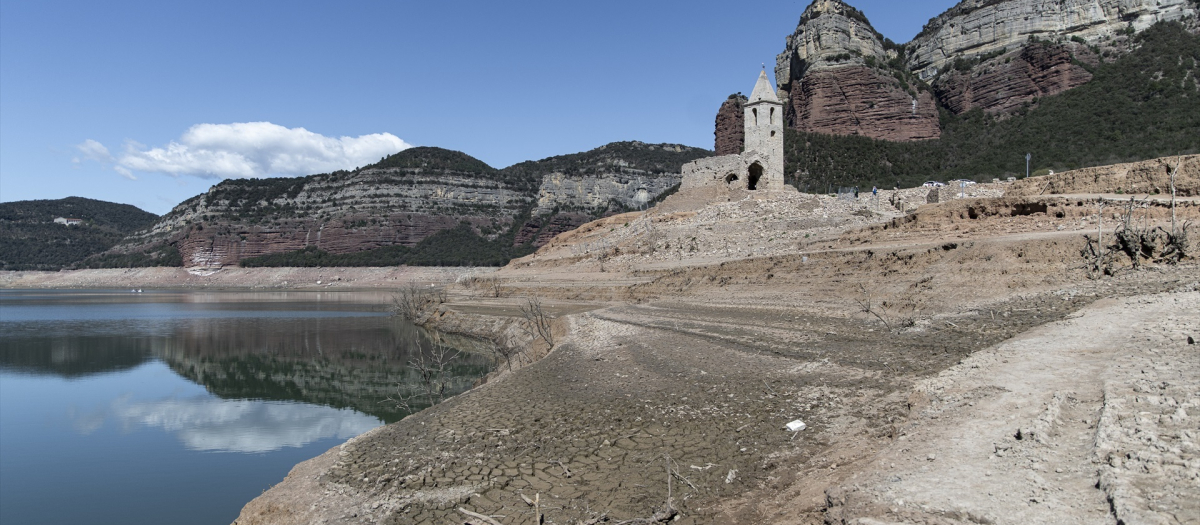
{"type": "Point", "coordinates": [180, 407]}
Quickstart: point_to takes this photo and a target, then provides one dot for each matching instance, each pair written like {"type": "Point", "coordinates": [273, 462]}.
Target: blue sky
{"type": "Point", "coordinates": [149, 103]}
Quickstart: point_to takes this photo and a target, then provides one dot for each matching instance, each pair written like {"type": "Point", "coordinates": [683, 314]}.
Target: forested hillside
{"type": "Point", "coordinates": [31, 240]}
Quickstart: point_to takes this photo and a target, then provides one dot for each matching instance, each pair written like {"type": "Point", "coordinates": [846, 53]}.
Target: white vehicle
{"type": "Point", "coordinates": [933, 184]}
{"type": "Point", "coordinates": [964, 181]}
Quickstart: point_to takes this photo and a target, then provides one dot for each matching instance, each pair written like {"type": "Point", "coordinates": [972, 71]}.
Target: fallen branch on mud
{"type": "Point", "coordinates": [479, 517]}
{"type": "Point", "coordinates": [905, 313]}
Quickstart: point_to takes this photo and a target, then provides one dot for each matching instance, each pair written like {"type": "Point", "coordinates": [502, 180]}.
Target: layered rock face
{"type": "Point", "coordinates": [341, 212]}
{"type": "Point", "coordinates": [612, 178]}
{"type": "Point", "coordinates": [730, 134]}
{"type": "Point", "coordinates": [1007, 82]}
{"type": "Point", "coordinates": [978, 27]}
{"type": "Point", "coordinates": [837, 75]}
{"type": "Point", "coordinates": [410, 196]}
{"type": "Point", "coordinates": [859, 100]}
{"type": "Point", "coordinates": [833, 77]}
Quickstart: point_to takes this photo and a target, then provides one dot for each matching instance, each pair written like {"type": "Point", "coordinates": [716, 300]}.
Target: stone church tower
{"type": "Point", "coordinates": [760, 166]}
{"type": "Point", "coordinates": [764, 127]}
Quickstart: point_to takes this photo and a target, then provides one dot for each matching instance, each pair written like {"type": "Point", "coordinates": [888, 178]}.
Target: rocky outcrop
{"type": "Point", "coordinates": [613, 178]}
{"type": "Point", "coordinates": [981, 27]}
{"type": "Point", "coordinates": [831, 35]}
{"type": "Point", "coordinates": [1007, 82]}
{"type": "Point", "coordinates": [540, 231]}
{"type": "Point", "coordinates": [858, 100]}
{"type": "Point", "coordinates": [835, 76]}
{"type": "Point", "coordinates": [730, 134]}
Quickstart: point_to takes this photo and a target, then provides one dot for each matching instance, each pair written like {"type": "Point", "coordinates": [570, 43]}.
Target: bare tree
{"type": "Point", "coordinates": [432, 378]}
{"type": "Point", "coordinates": [538, 323]}
{"type": "Point", "coordinates": [414, 300]}
{"type": "Point", "coordinates": [501, 347]}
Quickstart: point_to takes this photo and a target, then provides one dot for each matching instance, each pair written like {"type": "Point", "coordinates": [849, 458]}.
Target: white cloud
{"type": "Point", "coordinates": [249, 149]}
{"type": "Point", "coordinates": [209, 424]}
{"type": "Point", "coordinates": [95, 151]}
{"type": "Point", "coordinates": [124, 172]}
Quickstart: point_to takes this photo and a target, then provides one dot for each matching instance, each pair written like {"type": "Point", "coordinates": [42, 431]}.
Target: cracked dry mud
{"type": "Point", "coordinates": [588, 429]}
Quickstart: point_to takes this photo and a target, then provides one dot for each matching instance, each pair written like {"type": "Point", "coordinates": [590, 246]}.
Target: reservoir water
{"type": "Point", "coordinates": [118, 407]}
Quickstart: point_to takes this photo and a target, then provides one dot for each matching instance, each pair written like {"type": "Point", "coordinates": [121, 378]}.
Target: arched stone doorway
{"type": "Point", "coordinates": [731, 178]}
{"type": "Point", "coordinates": [756, 172]}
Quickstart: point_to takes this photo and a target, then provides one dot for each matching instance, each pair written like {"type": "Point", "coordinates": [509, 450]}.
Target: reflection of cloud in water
{"type": "Point", "coordinates": [244, 426]}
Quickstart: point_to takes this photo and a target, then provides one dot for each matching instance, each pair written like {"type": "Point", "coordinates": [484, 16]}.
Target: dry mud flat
{"type": "Point", "coordinates": [1090, 419]}
{"type": "Point", "coordinates": [707, 387]}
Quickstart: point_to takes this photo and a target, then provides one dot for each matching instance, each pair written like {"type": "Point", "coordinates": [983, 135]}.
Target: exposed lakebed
{"type": "Point", "coordinates": [178, 407]}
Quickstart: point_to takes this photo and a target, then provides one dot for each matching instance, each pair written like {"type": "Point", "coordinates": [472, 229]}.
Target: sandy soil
{"type": "Point", "coordinates": [915, 348]}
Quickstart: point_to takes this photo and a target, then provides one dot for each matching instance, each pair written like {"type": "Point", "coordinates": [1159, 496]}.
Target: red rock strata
{"type": "Point", "coordinates": [1008, 82]}
{"type": "Point", "coordinates": [858, 100]}
{"type": "Point", "coordinates": [731, 130]}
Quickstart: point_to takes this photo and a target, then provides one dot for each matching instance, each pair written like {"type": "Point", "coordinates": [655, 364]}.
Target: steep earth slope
{"type": "Point", "coordinates": [31, 240]}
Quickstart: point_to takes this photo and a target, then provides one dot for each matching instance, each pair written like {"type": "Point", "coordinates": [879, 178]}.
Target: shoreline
{"type": "Point", "coordinates": [284, 278]}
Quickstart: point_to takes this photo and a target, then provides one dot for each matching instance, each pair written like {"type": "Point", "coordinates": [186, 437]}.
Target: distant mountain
{"type": "Point", "coordinates": [31, 240]}
{"type": "Point", "coordinates": [422, 206]}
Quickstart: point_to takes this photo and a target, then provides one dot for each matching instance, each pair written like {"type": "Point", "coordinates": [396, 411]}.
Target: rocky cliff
{"type": "Point", "coordinates": [399, 201]}
{"type": "Point", "coordinates": [979, 27]}
{"type": "Point", "coordinates": [1008, 81]}
{"type": "Point", "coordinates": [730, 133]}
{"type": "Point", "coordinates": [407, 198]}
{"type": "Point", "coordinates": [837, 75]}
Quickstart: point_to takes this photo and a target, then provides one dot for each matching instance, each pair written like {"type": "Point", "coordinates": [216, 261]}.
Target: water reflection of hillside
{"type": "Point", "coordinates": [344, 363]}
{"type": "Point", "coordinates": [72, 357]}
{"type": "Point", "coordinates": [356, 361]}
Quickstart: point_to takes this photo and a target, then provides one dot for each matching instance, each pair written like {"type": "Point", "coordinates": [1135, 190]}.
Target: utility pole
{"type": "Point", "coordinates": [1027, 158]}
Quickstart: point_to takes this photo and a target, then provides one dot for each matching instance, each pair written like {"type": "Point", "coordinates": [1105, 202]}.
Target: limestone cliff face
{"type": "Point", "coordinates": [410, 196]}
{"type": "Point", "coordinates": [342, 212]}
{"type": "Point", "coordinates": [979, 27]}
{"type": "Point", "coordinates": [730, 134]}
{"type": "Point", "coordinates": [837, 75]}
{"type": "Point", "coordinates": [612, 178]}
{"type": "Point", "coordinates": [1011, 80]}
{"type": "Point", "coordinates": [834, 77]}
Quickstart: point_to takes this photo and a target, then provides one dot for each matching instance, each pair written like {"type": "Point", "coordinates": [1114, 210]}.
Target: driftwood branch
{"type": "Point", "coordinates": [480, 517]}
